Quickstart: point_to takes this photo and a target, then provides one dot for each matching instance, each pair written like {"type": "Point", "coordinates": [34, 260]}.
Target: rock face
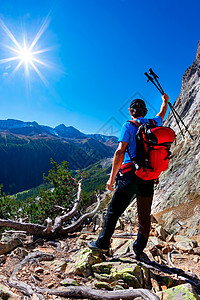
{"type": "Point", "coordinates": [180, 184]}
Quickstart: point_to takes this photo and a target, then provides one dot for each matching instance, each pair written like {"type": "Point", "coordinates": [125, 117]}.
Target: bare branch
{"type": "Point", "coordinates": [86, 292]}
{"type": "Point", "coordinates": [74, 226]}
{"type": "Point", "coordinates": [23, 287]}
{"type": "Point", "coordinates": [48, 224]}
{"type": "Point", "coordinates": [61, 219]}
{"type": "Point", "coordinates": [35, 229]}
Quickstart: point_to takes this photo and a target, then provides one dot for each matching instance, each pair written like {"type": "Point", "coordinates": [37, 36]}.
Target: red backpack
{"type": "Point", "coordinates": [152, 149]}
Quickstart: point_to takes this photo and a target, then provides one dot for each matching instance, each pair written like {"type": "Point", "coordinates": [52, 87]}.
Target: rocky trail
{"type": "Point", "coordinates": [67, 269]}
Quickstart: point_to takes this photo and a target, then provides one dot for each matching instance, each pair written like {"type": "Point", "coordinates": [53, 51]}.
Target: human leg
{"type": "Point", "coordinates": [125, 191]}
{"type": "Point", "coordinates": [144, 202]}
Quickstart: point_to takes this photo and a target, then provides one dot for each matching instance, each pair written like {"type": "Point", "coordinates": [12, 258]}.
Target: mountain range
{"type": "Point", "coordinates": [26, 149]}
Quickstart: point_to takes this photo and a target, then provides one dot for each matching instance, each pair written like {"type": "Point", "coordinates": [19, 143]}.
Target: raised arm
{"type": "Point", "coordinates": [163, 108]}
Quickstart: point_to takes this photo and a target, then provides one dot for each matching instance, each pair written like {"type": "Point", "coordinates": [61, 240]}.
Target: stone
{"type": "Point", "coordinates": [56, 265]}
{"type": "Point", "coordinates": [104, 267]}
{"type": "Point", "coordinates": [103, 277]}
{"type": "Point", "coordinates": [8, 243]}
{"type": "Point", "coordinates": [155, 241]}
{"type": "Point", "coordinates": [86, 259]}
{"type": "Point", "coordinates": [103, 285]}
{"type": "Point", "coordinates": [69, 281]}
{"type": "Point", "coordinates": [180, 238]}
{"type": "Point", "coordinates": [183, 291]}
{"type": "Point", "coordinates": [160, 232]}
{"type": "Point", "coordinates": [11, 234]}
{"type": "Point", "coordinates": [7, 294]}
{"type": "Point", "coordinates": [124, 248]}
{"type": "Point", "coordinates": [117, 243]}
{"type": "Point", "coordinates": [184, 246]}
{"type": "Point", "coordinates": [129, 273]}
{"type": "Point", "coordinates": [70, 268]}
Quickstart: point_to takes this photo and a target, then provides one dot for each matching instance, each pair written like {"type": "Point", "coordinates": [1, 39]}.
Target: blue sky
{"type": "Point", "coordinates": [100, 51]}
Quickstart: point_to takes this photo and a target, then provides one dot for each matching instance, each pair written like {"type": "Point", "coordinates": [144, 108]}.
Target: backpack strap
{"type": "Point", "coordinates": [152, 122]}
{"type": "Point", "coordinates": [137, 123]}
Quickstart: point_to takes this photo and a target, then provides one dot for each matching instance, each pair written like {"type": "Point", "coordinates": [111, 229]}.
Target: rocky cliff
{"type": "Point", "coordinates": [177, 197]}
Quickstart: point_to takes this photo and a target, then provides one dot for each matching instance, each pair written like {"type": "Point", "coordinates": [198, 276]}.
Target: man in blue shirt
{"type": "Point", "coordinates": [129, 185]}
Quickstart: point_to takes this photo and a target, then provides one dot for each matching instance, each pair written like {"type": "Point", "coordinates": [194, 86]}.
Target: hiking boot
{"type": "Point", "coordinates": [141, 257]}
{"type": "Point", "coordinates": [93, 245]}
{"type": "Point", "coordinates": [139, 244]}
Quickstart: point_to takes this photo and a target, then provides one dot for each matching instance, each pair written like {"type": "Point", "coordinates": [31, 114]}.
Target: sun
{"type": "Point", "coordinates": [24, 54]}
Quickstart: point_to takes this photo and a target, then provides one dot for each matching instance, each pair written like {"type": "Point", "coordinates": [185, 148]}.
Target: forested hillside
{"type": "Point", "coordinates": [24, 159]}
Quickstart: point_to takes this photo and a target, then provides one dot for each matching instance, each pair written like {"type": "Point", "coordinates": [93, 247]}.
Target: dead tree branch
{"type": "Point", "coordinates": [34, 229]}
{"type": "Point", "coordinates": [72, 291]}
{"type": "Point", "coordinates": [61, 219]}
{"type": "Point", "coordinates": [48, 230]}
{"type": "Point", "coordinates": [74, 226]}
{"type": "Point", "coordinates": [22, 286]}
{"type": "Point", "coordinates": [88, 293]}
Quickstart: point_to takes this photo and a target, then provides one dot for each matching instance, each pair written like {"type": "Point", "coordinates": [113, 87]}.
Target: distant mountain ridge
{"type": "Point", "coordinates": [69, 132]}
{"type": "Point", "coordinates": [26, 149]}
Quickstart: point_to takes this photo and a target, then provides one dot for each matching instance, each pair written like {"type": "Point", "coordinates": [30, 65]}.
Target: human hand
{"type": "Point", "coordinates": [165, 98]}
{"type": "Point", "coordinates": [110, 184]}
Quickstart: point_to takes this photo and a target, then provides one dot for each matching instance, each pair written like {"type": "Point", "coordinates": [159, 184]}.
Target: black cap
{"type": "Point", "coordinates": [137, 103]}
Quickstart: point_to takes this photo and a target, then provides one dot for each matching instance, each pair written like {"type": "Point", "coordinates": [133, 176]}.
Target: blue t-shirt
{"type": "Point", "coordinates": [128, 134]}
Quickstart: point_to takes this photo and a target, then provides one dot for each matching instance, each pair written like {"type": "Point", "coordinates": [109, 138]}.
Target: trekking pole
{"type": "Point", "coordinates": [174, 112]}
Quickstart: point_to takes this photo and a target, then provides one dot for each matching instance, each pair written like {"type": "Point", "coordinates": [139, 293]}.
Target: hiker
{"type": "Point", "coordinates": [128, 185]}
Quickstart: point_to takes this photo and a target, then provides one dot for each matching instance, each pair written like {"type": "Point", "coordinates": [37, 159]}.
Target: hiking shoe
{"type": "Point", "coordinates": [139, 244]}
{"type": "Point", "coordinates": [141, 257]}
{"type": "Point", "coordinates": [93, 245]}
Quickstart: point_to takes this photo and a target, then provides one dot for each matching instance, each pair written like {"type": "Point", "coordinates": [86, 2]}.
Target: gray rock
{"type": "Point", "coordinates": [185, 244]}
{"type": "Point", "coordinates": [8, 243]}
{"type": "Point", "coordinates": [183, 291]}
{"type": "Point", "coordinates": [85, 260]}
{"type": "Point", "coordinates": [130, 273]}
{"type": "Point", "coordinates": [103, 285]}
{"type": "Point", "coordinates": [69, 281]}
{"type": "Point", "coordinates": [177, 195]}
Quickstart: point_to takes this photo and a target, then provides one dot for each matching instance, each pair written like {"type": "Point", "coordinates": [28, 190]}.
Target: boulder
{"type": "Point", "coordinates": [9, 241]}
{"type": "Point", "coordinates": [86, 259]}
{"type": "Point", "coordinates": [183, 291]}
{"type": "Point", "coordinates": [128, 272]}
{"type": "Point", "coordinates": [185, 244]}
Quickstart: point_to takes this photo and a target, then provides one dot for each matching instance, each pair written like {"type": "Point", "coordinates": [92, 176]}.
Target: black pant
{"type": "Point", "coordinates": [129, 186]}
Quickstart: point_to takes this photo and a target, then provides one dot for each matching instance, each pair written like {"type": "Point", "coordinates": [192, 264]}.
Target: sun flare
{"type": "Point", "coordinates": [26, 55]}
